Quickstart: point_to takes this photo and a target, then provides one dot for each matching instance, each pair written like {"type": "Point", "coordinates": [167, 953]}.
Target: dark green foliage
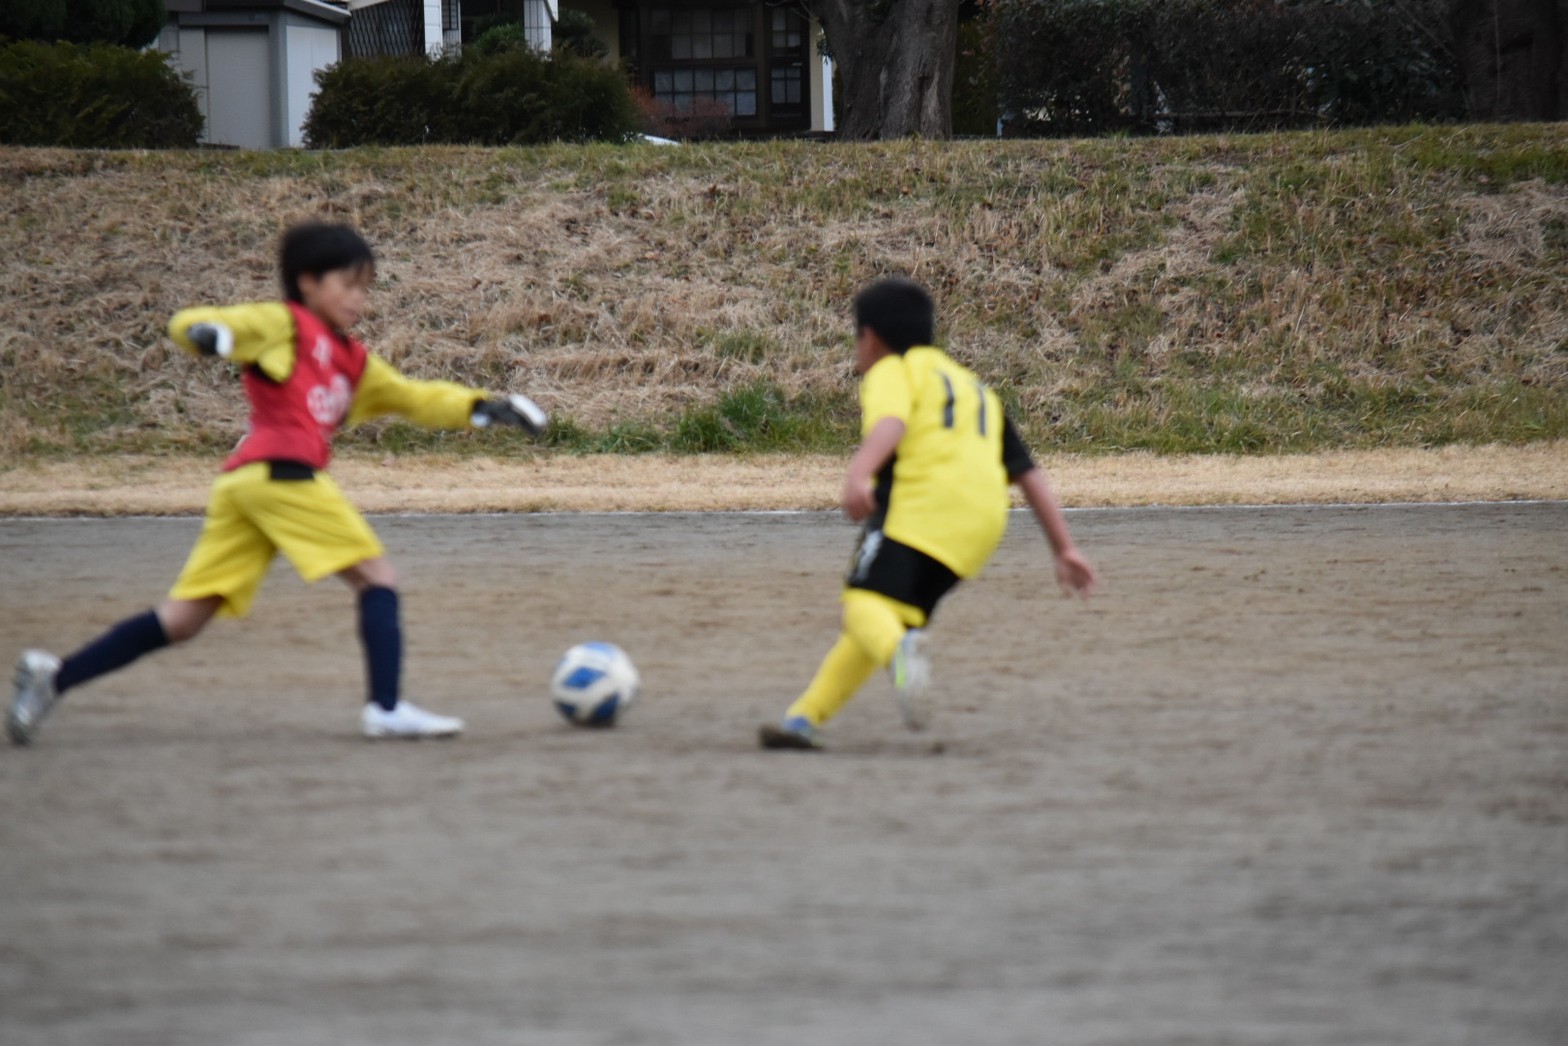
{"type": "Point", "coordinates": [504, 36]}
{"type": "Point", "coordinates": [975, 109]}
{"type": "Point", "coordinates": [382, 101]}
{"type": "Point", "coordinates": [32, 19]}
{"type": "Point", "coordinates": [1380, 62]}
{"type": "Point", "coordinates": [1153, 66]}
{"type": "Point", "coordinates": [760, 417]}
{"type": "Point", "coordinates": [518, 96]}
{"type": "Point", "coordinates": [94, 96]}
{"type": "Point", "coordinates": [134, 23]}
{"type": "Point", "coordinates": [498, 94]}
{"type": "Point", "coordinates": [576, 33]}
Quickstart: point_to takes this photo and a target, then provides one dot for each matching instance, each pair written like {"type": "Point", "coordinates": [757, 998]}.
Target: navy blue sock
{"type": "Point", "coordinates": [116, 648]}
{"type": "Point", "coordinates": [382, 637]}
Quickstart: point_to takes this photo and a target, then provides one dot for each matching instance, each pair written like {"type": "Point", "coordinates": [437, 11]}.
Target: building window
{"type": "Point", "coordinates": [701, 60]}
{"type": "Point", "coordinates": [396, 27]}
{"type": "Point", "coordinates": [701, 33]}
{"type": "Point", "coordinates": [789, 32]}
{"type": "Point", "coordinates": [734, 89]}
{"type": "Point", "coordinates": [786, 85]}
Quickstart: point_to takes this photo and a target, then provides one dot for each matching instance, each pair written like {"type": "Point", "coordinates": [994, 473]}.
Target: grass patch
{"type": "Point", "coordinates": [1232, 293]}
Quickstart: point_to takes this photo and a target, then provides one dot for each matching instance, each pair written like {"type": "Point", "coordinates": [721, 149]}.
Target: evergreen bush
{"type": "Point", "coordinates": [504, 93]}
{"type": "Point", "coordinates": [94, 96]}
{"type": "Point", "coordinates": [1072, 67]}
{"type": "Point", "coordinates": [131, 23]}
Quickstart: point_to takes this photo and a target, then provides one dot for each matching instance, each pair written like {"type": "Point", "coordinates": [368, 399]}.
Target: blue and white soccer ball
{"type": "Point", "coordinates": [594, 684]}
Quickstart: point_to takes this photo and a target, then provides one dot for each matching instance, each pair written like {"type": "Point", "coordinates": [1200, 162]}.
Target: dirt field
{"type": "Point", "coordinates": [1298, 776]}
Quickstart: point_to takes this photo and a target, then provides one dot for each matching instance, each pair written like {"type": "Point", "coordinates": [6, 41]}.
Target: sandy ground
{"type": "Point", "coordinates": [557, 482]}
{"type": "Point", "coordinates": [1297, 776]}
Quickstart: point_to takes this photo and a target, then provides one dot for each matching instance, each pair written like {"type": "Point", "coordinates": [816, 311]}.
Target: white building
{"type": "Point", "coordinates": [743, 68]}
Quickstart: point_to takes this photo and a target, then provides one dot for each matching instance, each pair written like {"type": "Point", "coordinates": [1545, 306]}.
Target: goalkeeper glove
{"type": "Point", "coordinates": [211, 339]}
{"type": "Point", "coordinates": [514, 409]}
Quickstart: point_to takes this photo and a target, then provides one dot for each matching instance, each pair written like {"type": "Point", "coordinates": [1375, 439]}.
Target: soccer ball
{"type": "Point", "coordinates": [593, 684]}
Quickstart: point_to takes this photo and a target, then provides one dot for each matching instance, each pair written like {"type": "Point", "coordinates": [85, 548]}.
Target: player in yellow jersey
{"type": "Point", "coordinates": [305, 377]}
{"type": "Point", "coordinates": [930, 483]}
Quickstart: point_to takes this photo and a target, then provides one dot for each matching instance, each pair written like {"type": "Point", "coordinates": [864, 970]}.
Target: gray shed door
{"type": "Point", "coordinates": [239, 89]}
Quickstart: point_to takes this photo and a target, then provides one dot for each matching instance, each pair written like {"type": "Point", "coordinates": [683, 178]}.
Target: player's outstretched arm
{"type": "Point", "coordinates": [1073, 572]}
{"type": "Point", "coordinates": [261, 333]}
{"type": "Point", "coordinates": [438, 404]}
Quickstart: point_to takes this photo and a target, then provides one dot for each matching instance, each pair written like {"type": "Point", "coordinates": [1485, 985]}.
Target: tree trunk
{"type": "Point", "coordinates": [1512, 55]}
{"type": "Point", "coordinates": [895, 62]}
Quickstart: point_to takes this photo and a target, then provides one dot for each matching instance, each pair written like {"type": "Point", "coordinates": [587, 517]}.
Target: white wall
{"type": "Point", "coordinates": [239, 105]}
{"type": "Point", "coordinates": [190, 52]}
{"type": "Point", "coordinates": [307, 49]}
{"type": "Point", "coordinates": [435, 40]}
{"type": "Point", "coordinates": [821, 89]}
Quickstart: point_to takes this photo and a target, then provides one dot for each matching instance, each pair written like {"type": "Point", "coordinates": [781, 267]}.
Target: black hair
{"type": "Point", "coordinates": [320, 247]}
{"type": "Point", "coordinates": [899, 311]}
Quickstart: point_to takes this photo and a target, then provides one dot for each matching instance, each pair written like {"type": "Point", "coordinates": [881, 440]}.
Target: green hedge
{"type": "Point", "coordinates": [1072, 67]}
{"type": "Point", "coordinates": [94, 96]}
{"type": "Point", "coordinates": [508, 96]}
{"type": "Point", "coordinates": [131, 23]}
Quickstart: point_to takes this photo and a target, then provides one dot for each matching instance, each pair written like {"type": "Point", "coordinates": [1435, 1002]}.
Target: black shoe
{"type": "Point", "coordinates": [795, 732]}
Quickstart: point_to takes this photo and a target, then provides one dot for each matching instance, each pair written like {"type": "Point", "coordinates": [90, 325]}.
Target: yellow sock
{"type": "Point", "coordinates": [873, 625]}
{"type": "Point", "coordinates": [841, 673]}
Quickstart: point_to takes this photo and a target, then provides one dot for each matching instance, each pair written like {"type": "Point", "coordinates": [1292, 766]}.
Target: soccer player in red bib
{"type": "Point", "coordinates": [305, 378]}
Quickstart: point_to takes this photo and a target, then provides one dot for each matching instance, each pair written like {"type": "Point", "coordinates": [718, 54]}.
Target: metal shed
{"type": "Point", "coordinates": [253, 63]}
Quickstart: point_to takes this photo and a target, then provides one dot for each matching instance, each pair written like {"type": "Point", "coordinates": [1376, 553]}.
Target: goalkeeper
{"type": "Point", "coordinates": [304, 377]}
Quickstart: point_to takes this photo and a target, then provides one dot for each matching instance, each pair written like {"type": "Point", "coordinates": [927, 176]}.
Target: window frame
{"type": "Point", "coordinates": [653, 70]}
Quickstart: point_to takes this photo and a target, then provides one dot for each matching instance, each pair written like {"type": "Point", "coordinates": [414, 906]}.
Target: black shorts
{"type": "Point", "coordinates": [899, 572]}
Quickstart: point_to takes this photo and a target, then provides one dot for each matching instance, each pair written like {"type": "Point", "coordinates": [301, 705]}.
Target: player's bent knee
{"type": "Point", "coordinates": [183, 619]}
{"type": "Point", "coordinates": [370, 573]}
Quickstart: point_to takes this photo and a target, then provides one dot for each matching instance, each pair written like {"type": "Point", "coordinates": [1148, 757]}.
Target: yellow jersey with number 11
{"type": "Point", "coordinates": [945, 490]}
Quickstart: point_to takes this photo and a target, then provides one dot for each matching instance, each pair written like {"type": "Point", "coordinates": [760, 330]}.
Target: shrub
{"type": "Point", "coordinates": [496, 95]}
{"type": "Point", "coordinates": [576, 33]}
{"type": "Point", "coordinates": [503, 37]}
{"type": "Point", "coordinates": [94, 96]}
{"type": "Point", "coordinates": [32, 19]}
{"type": "Point", "coordinates": [703, 119]}
{"type": "Point", "coordinates": [975, 109]}
{"type": "Point", "coordinates": [518, 96]}
{"type": "Point", "coordinates": [132, 23]}
{"type": "Point", "coordinates": [385, 100]}
{"type": "Point", "coordinates": [1097, 66]}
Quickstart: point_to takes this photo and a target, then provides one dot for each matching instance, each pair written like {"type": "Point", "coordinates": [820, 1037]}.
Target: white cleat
{"type": "Point", "coordinates": [407, 722]}
{"type": "Point", "coordinates": [912, 680]}
{"type": "Point", "coordinates": [35, 695]}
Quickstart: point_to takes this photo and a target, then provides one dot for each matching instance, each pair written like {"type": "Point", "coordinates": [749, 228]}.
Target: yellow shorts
{"type": "Point", "coordinates": [251, 517]}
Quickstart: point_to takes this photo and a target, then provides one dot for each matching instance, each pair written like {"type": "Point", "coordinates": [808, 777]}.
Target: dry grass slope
{"type": "Point", "coordinates": [1229, 294]}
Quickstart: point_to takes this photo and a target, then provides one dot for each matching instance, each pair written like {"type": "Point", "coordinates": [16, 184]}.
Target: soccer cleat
{"type": "Point", "coordinates": [794, 732]}
{"type": "Point", "coordinates": [408, 722]}
{"type": "Point", "coordinates": [35, 695]}
{"type": "Point", "coordinates": [912, 680]}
